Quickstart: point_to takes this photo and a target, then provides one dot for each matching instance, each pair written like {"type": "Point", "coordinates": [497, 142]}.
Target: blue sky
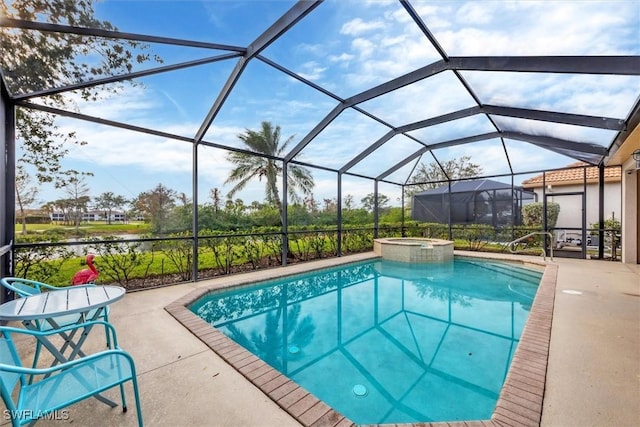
{"type": "Point", "coordinates": [347, 47]}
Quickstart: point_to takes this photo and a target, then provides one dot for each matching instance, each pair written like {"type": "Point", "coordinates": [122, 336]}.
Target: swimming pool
{"type": "Point", "coordinates": [386, 342]}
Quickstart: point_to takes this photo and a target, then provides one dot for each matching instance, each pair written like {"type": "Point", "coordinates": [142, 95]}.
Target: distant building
{"type": "Point", "coordinates": [93, 215]}
{"type": "Point", "coordinates": [33, 216]}
{"type": "Point", "coordinates": [58, 216]}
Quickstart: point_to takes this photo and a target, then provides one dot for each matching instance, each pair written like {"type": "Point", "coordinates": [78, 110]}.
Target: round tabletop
{"type": "Point", "coordinates": [69, 300]}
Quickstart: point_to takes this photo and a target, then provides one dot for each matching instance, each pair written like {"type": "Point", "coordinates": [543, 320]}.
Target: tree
{"type": "Point", "coordinates": [109, 201]}
{"type": "Point", "coordinates": [63, 206]}
{"type": "Point", "coordinates": [297, 215]}
{"type": "Point", "coordinates": [25, 194]}
{"type": "Point", "coordinates": [235, 207]}
{"type": "Point", "coordinates": [255, 205]}
{"type": "Point", "coordinates": [49, 208]}
{"type": "Point", "coordinates": [369, 202]}
{"type": "Point", "coordinates": [78, 201]}
{"type": "Point", "coordinates": [34, 60]}
{"type": "Point", "coordinates": [156, 205]}
{"type": "Point", "coordinates": [357, 216]}
{"type": "Point", "coordinates": [431, 175]}
{"type": "Point", "coordinates": [348, 202]}
{"type": "Point", "coordinates": [184, 199]}
{"type": "Point", "coordinates": [267, 141]}
{"type": "Point", "coordinates": [216, 199]}
{"type": "Point", "coordinates": [330, 205]}
{"type": "Point", "coordinates": [310, 203]}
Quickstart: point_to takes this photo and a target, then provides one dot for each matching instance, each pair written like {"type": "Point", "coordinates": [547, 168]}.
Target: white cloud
{"type": "Point", "coordinates": [610, 96]}
{"type": "Point", "coordinates": [475, 13]}
{"type": "Point", "coordinates": [131, 102]}
{"type": "Point", "coordinates": [556, 130]}
{"type": "Point", "coordinates": [430, 97]}
{"type": "Point", "coordinates": [435, 15]}
{"type": "Point", "coordinates": [536, 28]}
{"type": "Point", "coordinates": [136, 157]}
{"type": "Point", "coordinates": [363, 47]}
{"type": "Point", "coordinates": [343, 57]}
{"type": "Point", "coordinates": [311, 70]}
{"type": "Point", "coordinates": [310, 48]}
{"type": "Point", "coordinates": [393, 41]}
{"type": "Point", "coordinates": [113, 146]}
{"type": "Point", "coordinates": [358, 27]}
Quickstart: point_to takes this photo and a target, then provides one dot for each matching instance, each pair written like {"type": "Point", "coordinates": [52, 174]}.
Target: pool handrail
{"type": "Point", "coordinates": [544, 253]}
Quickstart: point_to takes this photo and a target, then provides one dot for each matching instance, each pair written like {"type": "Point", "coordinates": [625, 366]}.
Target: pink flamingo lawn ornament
{"type": "Point", "coordinates": [87, 275]}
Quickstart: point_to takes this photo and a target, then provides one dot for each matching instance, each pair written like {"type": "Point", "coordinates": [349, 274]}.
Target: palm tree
{"type": "Point", "coordinates": [249, 166]}
{"type": "Point", "coordinates": [268, 346]}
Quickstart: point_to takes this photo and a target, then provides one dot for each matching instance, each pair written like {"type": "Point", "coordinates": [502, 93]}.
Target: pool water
{"type": "Point", "coordinates": [384, 341]}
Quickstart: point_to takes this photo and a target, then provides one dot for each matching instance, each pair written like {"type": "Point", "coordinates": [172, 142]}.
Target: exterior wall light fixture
{"type": "Point", "coordinates": [636, 157]}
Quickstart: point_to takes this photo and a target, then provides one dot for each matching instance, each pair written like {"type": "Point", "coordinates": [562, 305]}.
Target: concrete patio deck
{"type": "Point", "coordinates": [593, 372]}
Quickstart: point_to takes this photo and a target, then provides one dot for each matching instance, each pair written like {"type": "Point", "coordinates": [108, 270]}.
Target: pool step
{"type": "Point", "coordinates": [517, 271]}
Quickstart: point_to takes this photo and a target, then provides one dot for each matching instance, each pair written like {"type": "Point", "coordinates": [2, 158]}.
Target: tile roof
{"type": "Point", "coordinates": [573, 176]}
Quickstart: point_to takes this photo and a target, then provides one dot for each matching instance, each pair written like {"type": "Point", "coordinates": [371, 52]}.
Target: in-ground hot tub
{"type": "Point", "coordinates": [414, 249]}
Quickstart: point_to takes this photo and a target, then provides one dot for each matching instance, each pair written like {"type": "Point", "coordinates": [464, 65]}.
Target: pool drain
{"type": "Point", "coordinates": [294, 349]}
{"type": "Point", "coordinates": [359, 390]}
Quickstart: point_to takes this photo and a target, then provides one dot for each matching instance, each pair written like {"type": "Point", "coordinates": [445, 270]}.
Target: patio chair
{"type": "Point", "coordinates": [64, 384]}
{"type": "Point", "coordinates": [25, 287]}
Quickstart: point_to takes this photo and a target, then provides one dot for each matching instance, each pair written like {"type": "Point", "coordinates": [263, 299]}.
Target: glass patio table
{"type": "Point", "coordinates": [74, 304]}
{"type": "Point", "coordinates": [61, 308]}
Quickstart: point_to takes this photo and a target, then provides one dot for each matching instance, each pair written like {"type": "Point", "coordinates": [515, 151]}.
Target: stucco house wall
{"type": "Point", "coordinates": [624, 156]}
{"type": "Point", "coordinates": [572, 180]}
{"type": "Point", "coordinates": [630, 206]}
{"type": "Point", "coordinates": [571, 208]}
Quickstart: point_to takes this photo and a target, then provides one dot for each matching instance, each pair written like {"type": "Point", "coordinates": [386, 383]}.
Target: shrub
{"type": "Point", "coordinates": [225, 249]}
{"type": "Point", "coordinates": [477, 235]}
{"type": "Point", "coordinates": [179, 252]}
{"type": "Point", "coordinates": [609, 224]}
{"type": "Point", "coordinates": [121, 261]}
{"type": "Point", "coordinates": [41, 263]}
{"type": "Point", "coordinates": [532, 214]}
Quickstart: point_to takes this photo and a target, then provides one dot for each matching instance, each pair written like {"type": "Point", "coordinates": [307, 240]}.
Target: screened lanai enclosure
{"type": "Point", "coordinates": [366, 97]}
{"type": "Point", "coordinates": [472, 202]}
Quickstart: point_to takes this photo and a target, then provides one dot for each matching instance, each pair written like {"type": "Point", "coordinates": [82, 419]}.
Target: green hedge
{"type": "Point", "coordinates": [140, 264]}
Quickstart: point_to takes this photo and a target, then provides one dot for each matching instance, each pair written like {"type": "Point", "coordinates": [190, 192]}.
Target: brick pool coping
{"type": "Point", "coordinates": [519, 403]}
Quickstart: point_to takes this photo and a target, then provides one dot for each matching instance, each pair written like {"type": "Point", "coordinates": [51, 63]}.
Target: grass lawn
{"type": "Point", "coordinates": [94, 227]}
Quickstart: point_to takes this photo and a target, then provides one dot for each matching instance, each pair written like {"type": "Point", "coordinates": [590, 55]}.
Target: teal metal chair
{"type": "Point", "coordinates": [64, 384]}
{"type": "Point", "coordinates": [25, 287]}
